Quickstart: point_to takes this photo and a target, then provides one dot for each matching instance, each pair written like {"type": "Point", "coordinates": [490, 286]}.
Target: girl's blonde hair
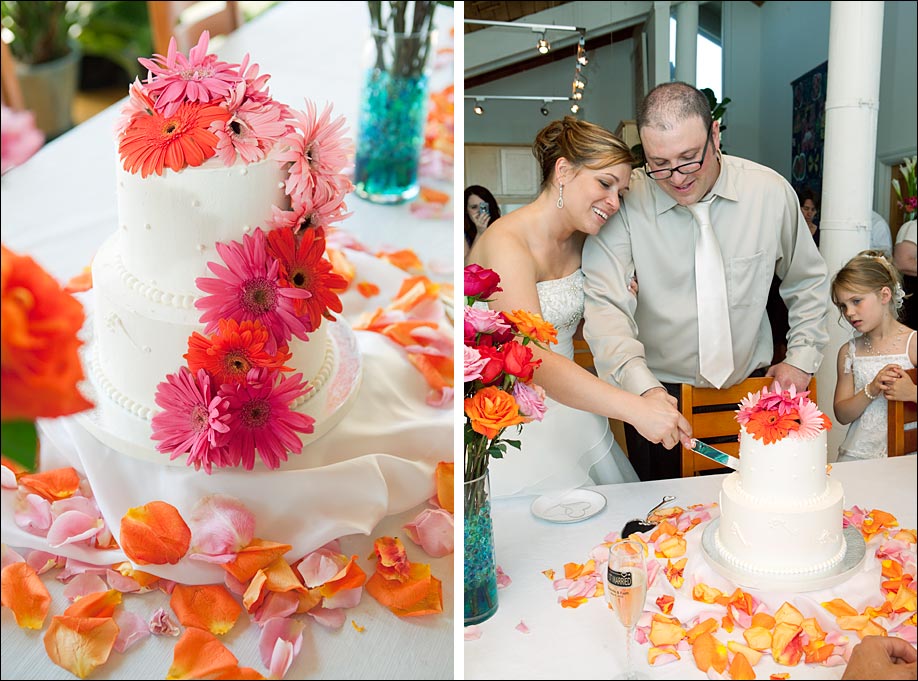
{"type": "Point", "coordinates": [870, 271]}
{"type": "Point", "coordinates": [582, 143]}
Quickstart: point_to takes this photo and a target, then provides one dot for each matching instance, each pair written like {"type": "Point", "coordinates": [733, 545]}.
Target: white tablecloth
{"type": "Point", "coordinates": [588, 642]}
{"type": "Point", "coordinates": [60, 206]}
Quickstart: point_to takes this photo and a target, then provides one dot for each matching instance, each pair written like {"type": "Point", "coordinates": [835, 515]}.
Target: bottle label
{"type": "Point", "coordinates": [616, 578]}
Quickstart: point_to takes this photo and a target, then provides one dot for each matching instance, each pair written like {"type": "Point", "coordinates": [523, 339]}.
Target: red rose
{"type": "Point", "coordinates": [481, 283]}
{"type": "Point", "coordinates": [518, 361]}
{"type": "Point", "coordinates": [493, 370]}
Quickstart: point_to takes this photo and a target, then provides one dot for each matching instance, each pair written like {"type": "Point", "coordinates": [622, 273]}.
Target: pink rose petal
{"type": "Point", "coordinates": [277, 605]}
{"type": "Point", "coordinates": [42, 561]}
{"type": "Point", "coordinates": [8, 556]}
{"type": "Point", "coordinates": [664, 658]}
{"type": "Point", "coordinates": [34, 516]}
{"type": "Point", "coordinates": [83, 585]}
{"type": "Point", "coordinates": [280, 642]}
{"type": "Point", "coordinates": [472, 633]}
{"type": "Point", "coordinates": [432, 529]}
{"type": "Point", "coordinates": [522, 628]}
{"type": "Point", "coordinates": [348, 598]}
{"type": "Point", "coordinates": [122, 583]}
{"type": "Point", "coordinates": [320, 566]}
{"type": "Point", "coordinates": [71, 527]}
{"type": "Point", "coordinates": [162, 624]}
{"type": "Point", "coordinates": [328, 618]}
{"type": "Point", "coordinates": [74, 567]}
{"type": "Point", "coordinates": [131, 629]}
{"type": "Point", "coordinates": [503, 579]}
{"type": "Point", "coordinates": [82, 504]}
{"type": "Point", "coordinates": [234, 585]}
{"type": "Point", "coordinates": [7, 478]}
{"type": "Point", "coordinates": [221, 526]}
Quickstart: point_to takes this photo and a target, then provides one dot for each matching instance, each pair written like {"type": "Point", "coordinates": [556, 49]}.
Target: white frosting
{"type": "Point", "coordinates": [170, 222]}
{"type": "Point", "coordinates": [780, 513]}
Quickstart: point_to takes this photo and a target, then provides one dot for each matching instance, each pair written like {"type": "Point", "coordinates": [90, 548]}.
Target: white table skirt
{"type": "Point", "coordinates": [588, 642]}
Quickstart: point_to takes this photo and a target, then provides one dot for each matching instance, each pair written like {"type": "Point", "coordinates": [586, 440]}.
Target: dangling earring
{"type": "Point", "coordinates": [560, 195]}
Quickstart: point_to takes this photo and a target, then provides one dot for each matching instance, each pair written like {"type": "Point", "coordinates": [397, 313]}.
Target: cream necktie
{"type": "Point", "coordinates": [715, 342]}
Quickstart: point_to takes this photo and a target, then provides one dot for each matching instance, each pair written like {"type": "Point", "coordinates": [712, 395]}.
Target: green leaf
{"type": "Point", "coordinates": [513, 443]}
{"type": "Point", "coordinates": [19, 442]}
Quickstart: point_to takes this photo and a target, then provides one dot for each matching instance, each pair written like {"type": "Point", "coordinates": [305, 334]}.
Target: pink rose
{"type": "Point", "coordinates": [473, 364]}
{"type": "Point", "coordinates": [531, 399]}
{"type": "Point", "coordinates": [485, 321]}
{"type": "Point", "coordinates": [481, 283]}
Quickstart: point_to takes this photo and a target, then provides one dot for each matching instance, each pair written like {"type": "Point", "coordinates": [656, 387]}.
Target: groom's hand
{"type": "Point", "coordinates": [785, 374]}
{"type": "Point", "coordinates": [662, 422]}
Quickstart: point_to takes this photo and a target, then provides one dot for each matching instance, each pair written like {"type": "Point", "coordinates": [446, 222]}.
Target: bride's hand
{"type": "Point", "coordinates": [660, 421]}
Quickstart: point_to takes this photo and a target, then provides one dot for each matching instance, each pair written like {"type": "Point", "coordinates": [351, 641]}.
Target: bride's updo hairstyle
{"type": "Point", "coordinates": [584, 144]}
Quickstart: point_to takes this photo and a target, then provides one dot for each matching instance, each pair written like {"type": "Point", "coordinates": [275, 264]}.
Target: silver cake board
{"type": "Point", "coordinates": [855, 553]}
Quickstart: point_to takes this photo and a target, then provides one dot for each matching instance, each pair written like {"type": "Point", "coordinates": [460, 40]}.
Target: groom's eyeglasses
{"type": "Point", "coordinates": [685, 168]}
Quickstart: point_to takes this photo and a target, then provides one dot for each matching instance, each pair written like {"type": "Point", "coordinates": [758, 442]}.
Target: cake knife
{"type": "Point", "coordinates": [708, 452]}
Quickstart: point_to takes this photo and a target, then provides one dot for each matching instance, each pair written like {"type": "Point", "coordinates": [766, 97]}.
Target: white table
{"type": "Point", "coordinates": [60, 206]}
{"type": "Point", "coordinates": [587, 642]}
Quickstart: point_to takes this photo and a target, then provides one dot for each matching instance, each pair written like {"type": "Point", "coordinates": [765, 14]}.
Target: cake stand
{"type": "Point", "coordinates": [129, 434]}
{"type": "Point", "coordinates": [855, 552]}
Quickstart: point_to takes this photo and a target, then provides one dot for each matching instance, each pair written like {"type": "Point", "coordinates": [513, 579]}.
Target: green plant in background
{"type": "Point", "coordinates": [117, 31]}
{"type": "Point", "coordinates": [717, 108]}
{"type": "Point", "coordinates": [42, 31]}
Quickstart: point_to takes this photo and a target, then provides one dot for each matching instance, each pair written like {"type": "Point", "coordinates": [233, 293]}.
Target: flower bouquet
{"type": "Point", "coordinates": [499, 394]}
{"type": "Point", "coordinates": [908, 200]}
{"type": "Point", "coordinates": [772, 414]}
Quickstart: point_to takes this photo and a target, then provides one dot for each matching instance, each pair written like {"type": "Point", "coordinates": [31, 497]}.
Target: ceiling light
{"type": "Point", "coordinates": [544, 108]}
{"type": "Point", "coordinates": [478, 108]}
{"type": "Point", "coordinates": [543, 46]}
{"type": "Point", "coordinates": [581, 52]}
{"type": "Point", "coordinates": [575, 107]}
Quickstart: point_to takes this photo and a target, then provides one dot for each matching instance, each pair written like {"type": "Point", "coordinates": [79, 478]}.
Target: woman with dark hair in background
{"type": "Point", "coordinates": [481, 210]}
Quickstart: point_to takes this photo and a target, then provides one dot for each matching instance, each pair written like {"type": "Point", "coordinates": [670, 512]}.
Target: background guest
{"type": "Point", "coordinates": [880, 236]}
{"type": "Point", "coordinates": [481, 210]}
{"type": "Point", "coordinates": [904, 257]}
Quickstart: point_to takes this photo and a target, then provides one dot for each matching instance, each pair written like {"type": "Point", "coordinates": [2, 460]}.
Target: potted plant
{"type": "Point", "coordinates": [47, 58]}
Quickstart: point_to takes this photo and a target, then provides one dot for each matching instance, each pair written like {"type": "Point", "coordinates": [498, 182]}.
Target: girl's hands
{"type": "Point", "coordinates": [896, 385]}
{"type": "Point", "coordinates": [884, 379]}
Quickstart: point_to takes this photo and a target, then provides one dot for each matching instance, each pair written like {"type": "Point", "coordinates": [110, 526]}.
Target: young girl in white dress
{"type": "Point", "coordinates": [868, 293]}
{"type": "Point", "coordinates": [536, 251]}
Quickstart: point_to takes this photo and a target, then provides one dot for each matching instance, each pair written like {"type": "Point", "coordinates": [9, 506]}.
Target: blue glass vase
{"type": "Point", "coordinates": [480, 585]}
{"type": "Point", "coordinates": [393, 114]}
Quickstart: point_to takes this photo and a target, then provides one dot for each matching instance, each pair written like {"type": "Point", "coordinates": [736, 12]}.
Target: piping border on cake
{"type": "Point", "coordinates": [784, 504]}
{"type": "Point", "coordinates": [148, 291]}
{"type": "Point", "coordinates": [141, 411]}
{"type": "Point", "coordinates": [748, 567]}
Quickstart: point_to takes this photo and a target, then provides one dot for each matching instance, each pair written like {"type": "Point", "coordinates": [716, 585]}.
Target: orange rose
{"type": "Point", "coordinates": [532, 325]}
{"type": "Point", "coordinates": [491, 410]}
{"type": "Point", "coordinates": [38, 342]}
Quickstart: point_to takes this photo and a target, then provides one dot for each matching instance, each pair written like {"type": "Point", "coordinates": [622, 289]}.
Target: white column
{"type": "Point", "coordinates": [687, 41]}
{"type": "Point", "coordinates": [660, 45]}
{"type": "Point", "coordinates": [855, 46]}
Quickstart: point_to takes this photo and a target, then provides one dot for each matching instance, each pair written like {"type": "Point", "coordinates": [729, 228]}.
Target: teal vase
{"type": "Point", "coordinates": [393, 115]}
{"type": "Point", "coordinates": [480, 587]}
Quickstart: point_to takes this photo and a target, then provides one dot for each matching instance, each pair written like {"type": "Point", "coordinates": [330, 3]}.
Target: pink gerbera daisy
{"type": "Point", "coordinates": [248, 287]}
{"type": "Point", "coordinates": [253, 87]}
{"type": "Point", "coordinates": [138, 102]}
{"type": "Point", "coordinates": [193, 421]}
{"type": "Point", "coordinates": [261, 418]}
{"type": "Point", "coordinates": [318, 148]}
{"type": "Point", "coordinates": [250, 132]}
{"type": "Point", "coordinates": [199, 77]}
{"type": "Point", "coordinates": [811, 420]}
{"type": "Point", "coordinates": [322, 205]}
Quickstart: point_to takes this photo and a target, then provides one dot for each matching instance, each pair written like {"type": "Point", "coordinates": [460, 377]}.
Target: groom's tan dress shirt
{"type": "Point", "coordinates": [638, 343]}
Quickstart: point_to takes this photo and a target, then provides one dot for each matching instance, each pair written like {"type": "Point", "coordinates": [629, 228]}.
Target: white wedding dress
{"type": "Point", "coordinates": [569, 448]}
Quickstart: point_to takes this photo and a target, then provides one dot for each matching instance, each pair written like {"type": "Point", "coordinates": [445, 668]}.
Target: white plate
{"type": "Point", "coordinates": [855, 551]}
{"type": "Point", "coordinates": [568, 507]}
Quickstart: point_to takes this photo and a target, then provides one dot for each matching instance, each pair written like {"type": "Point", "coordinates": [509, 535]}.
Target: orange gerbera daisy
{"type": "Point", "coordinates": [771, 426]}
{"type": "Point", "coordinates": [304, 266]}
{"type": "Point", "coordinates": [236, 347]}
{"type": "Point", "coordinates": [153, 141]}
{"type": "Point", "coordinates": [38, 342]}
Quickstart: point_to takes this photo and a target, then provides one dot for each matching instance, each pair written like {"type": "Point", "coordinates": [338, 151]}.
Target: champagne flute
{"type": "Point", "coordinates": [626, 591]}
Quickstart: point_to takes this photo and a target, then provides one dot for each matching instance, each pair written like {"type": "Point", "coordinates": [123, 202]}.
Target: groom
{"type": "Point", "coordinates": [751, 230]}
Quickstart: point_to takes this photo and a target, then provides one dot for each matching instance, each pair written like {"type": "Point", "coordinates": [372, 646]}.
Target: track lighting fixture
{"type": "Point", "coordinates": [544, 108]}
{"type": "Point", "coordinates": [478, 108]}
{"type": "Point", "coordinates": [575, 107]}
{"type": "Point", "coordinates": [543, 46]}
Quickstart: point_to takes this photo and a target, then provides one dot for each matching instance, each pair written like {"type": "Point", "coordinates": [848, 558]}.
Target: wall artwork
{"type": "Point", "coordinates": [809, 96]}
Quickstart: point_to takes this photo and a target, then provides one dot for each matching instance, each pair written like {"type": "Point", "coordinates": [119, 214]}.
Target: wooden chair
{"type": "Point", "coordinates": [899, 440]}
{"type": "Point", "coordinates": [712, 415]}
{"type": "Point", "coordinates": [187, 20]}
{"type": "Point", "coordinates": [10, 93]}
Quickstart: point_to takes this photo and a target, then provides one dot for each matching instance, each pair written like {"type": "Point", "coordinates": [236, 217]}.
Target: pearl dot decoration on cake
{"type": "Point", "coordinates": [148, 226]}
{"type": "Point", "coordinates": [246, 229]}
{"type": "Point", "coordinates": [195, 203]}
{"type": "Point", "coordinates": [243, 171]}
{"type": "Point", "coordinates": [124, 227]}
{"type": "Point", "coordinates": [202, 248]}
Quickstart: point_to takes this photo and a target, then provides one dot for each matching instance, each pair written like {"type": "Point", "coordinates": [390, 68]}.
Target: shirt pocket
{"type": "Point", "coordinates": [748, 283]}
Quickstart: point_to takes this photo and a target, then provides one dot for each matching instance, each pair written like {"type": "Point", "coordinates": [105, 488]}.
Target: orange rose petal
{"type": "Point", "coordinates": [752, 656]}
{"type": "Point", "coordinates": [257, 555]}
{"type": "Point", "coordinates": [143, 579]}
{"type": "Point", "coordinates": [414, 291]}
{"type": "Point", "coordinates": [351, 576]}
{"type": "Point", "coordinates": [742, 601]}
{"type": "Point", "coordinates": [709, 652]}
{"type": "Point", "coordinates": [573, 602]}
{"type": "Point", "coordinates": [341, 265]}
{"type": "Point", "coordinates": [812, 629]}
{"type": "Point", "coordinates": [445, 476]}
{"type": "Point", "coordinates": [665, 603]}
{"type": "Point", "coordinates": [779, 677]}
{"type": "Point", "coordinates": [280, 577]}
{"type": "Point", "coordinates": [764, 620]}
{"type": "Point", "coordinates": [23, 592]}
{"type": "Point", "coordinates": [80, 644]}
{"type": "Point", "coordinates": [575, 570]}
{"type": "Point", "coordinates": [80, 282]}
{"type": "Point", "coordinates": [60, 483]}
{"type": "Point", "coordinates": [437, 371]}
{"type": "Point", "coordinates": [154, 533]}
{"type": "Point", "coordinates": [705, 593]}
{"type": "Point", "coordinates": [238, 674]}
{"type": "Point", "coordinates": [433, 195]}
{"type": "Point", "coordinates": [655, 652]}
{"type": "Point", "coordinates": [308, 600]}
{"type": "Point", "coordinates": [255, 591]}
{"type": "Point", "coordinates": [549, 573]}
{"type": "Point", "coordinates": [367, 289]}
{"type": "Point", "coordinates": [758, 638]}
{"type": "Point", "coordinates": [672, 547]}
{"type": "Point", "coordinates": [817, 651]}
{"type": "Point", "coordinates": [663, 633]}
{"type": "Point", "coordinates": [855, 622]}
{"type": "Point", "coordinates": [788, 613]}
{"type": "Point", "coordinates": [18, 469]}
{"type": "Point", "coordinates": [708, 626]}
{"type": "Point", "coordinates": [740, 668]}
{"type": "Point", "coordinates": [393, 593]}
{"type": "Point", "coordinates": [431, 604]}
{"type": "Point", "coordinates": [405, 259]}
{"type": "Point", "coordinates": [787, 644]}
{"type": "Point", "coordinates": [209, 607]}
{"type": "Point", "coordinates": [905, 600]}
{"type": "Point", "coordinates": [839, 608]}
{"type": "Point", "coordinates": [392, 560]}
{"type": "Point", "coordinates": [98, 604]}
{"type": "Point", "coordinates": [727, 622]}
{"type": "Point", "coordinates": [872, 629]}
{"type": "Point", "coordinates": [199, 654]}
{"type": "Point", "coordinates": [891, 569]}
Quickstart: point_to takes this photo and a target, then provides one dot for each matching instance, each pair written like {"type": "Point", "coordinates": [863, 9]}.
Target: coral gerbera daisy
{"type": "Point", "coordinates": [199, 77]}
{"type": "Point", "coordinates": [261, 418]}
{"type": "Point", "coordinates": [153, 141]}
{"type": "Point", "coordinates": [771, 426]}
{"type": "Point", "coordinates": [318, 149]}
{"type": "Point", "coordinates": [194, 419]}
{"type": "Point", "coordinates": [304, 266]}
{"type": "Point", "coordinates": [249, 287]}
{"type": "Point", "coordinates": [237, 347]}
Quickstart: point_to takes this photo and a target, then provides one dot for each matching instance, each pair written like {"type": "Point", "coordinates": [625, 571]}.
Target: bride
{"type": "Point", "coordinates": [536, 251]}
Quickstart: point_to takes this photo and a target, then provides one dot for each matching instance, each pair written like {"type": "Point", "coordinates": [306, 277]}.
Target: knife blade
{"type": "Point", "coordinates": [708, 452]}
